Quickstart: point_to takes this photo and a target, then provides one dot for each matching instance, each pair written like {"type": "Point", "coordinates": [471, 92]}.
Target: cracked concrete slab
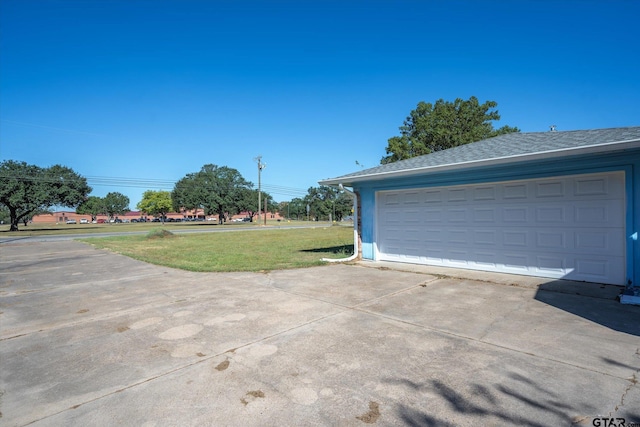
{"type": "Point", "coordinates": [92, 338]}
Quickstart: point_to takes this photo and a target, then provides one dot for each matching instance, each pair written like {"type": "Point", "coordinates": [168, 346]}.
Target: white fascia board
{"type": "Point", "coordinates": [541, 155]}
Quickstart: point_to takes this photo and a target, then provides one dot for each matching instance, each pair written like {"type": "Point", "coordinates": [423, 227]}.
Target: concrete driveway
{"type": "Point", "coordinates": [93, 338]}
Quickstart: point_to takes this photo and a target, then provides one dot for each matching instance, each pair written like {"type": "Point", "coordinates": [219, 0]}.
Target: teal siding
{"type": "Point", "coordinates": [627, 161]}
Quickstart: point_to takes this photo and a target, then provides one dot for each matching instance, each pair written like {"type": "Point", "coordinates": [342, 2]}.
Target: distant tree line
{"type": "Point", "coordinates": [28, 190]}
{"type": "Point", "coordinates": [324, 204]}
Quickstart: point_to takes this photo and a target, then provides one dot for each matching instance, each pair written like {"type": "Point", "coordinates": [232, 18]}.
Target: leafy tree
{"type": "Point", "coordinates": [93, 206]}
{"type": "Point", "coordinates": [327, 202]}
{"type": "Point", "coordinates": [115, 204]}
{"type": "Point", "coordinates": [187, 194]}
{"type": "Point", "coordinates": [156, 203]}
{"type": "Point", "coordinates": [249, 202]}
{"type": "Point", "coordinates": [283, 208]}
{"type": "Point", "coordinates": [217, 189]}
{"type": "Point", "coordinates": [435, 127]}
{"type": "Point", "coordinates": [27, 189]}
{"type": "Point", "coordinates": [297, 208]}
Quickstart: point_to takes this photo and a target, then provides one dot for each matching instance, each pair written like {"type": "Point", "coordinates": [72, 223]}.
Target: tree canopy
{"type": "Point", "coordinates": [28, 189]}
{"type": "Point", "coordinates": [93, 206]}
{"type": "Point", "coordinates": [216, 189]}
{"type": "Point", "coordinates": [443, 125]}
{"type": "Point", "coordinates": [248, 202]}
{"type": "Point", "coordinates": [115, 204]}
{"type": "Point", "coordinates": [156, 203]}
{"type": "Point", "coordinates": [296, 208]}
{"type": "Point", "coordinates": [326, 202]}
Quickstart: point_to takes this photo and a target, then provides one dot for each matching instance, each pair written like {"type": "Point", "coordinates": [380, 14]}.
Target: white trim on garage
{"type": "Point", "coordinates": [570, 227]}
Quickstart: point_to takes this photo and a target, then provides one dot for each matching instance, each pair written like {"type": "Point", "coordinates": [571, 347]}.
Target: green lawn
{"type": "Point", "coordinates": [251, 250]}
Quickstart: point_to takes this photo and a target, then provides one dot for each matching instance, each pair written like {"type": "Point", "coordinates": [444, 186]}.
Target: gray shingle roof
{"type": "Point", "coordinates": [509, 146]}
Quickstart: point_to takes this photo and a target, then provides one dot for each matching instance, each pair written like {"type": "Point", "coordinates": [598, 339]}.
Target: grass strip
{"type": "Point", "coordinates": [255, 250]}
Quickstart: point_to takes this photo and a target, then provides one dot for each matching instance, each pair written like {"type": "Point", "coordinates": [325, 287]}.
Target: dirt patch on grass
{"type": "Point", "coordinates": [159, 233]}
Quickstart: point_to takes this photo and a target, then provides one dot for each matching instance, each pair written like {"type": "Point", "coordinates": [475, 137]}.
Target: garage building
{"type": "Point", "coordinates": [549, 204]}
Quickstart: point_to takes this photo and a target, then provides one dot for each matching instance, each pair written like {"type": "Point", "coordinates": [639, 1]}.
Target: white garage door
{"type": "Point", "coordinates": [564, 227]}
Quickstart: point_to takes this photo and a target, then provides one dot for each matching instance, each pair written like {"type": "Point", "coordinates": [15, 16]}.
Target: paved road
{"type": "Point", "coordinates": [89, 337]}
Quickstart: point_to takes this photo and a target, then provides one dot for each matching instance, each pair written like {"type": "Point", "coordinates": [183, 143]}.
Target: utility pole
{"type": "Point", "coordinates": [260, 167]}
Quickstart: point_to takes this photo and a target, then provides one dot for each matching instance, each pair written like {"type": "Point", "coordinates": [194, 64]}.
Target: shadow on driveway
{"type": "Point", "coordinates": [484, 402]}
{"type": "Point", "coordinates": [602, 307]}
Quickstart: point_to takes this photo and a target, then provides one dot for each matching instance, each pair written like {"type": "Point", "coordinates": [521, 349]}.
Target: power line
{"type": "Point", "coordinates": [151, 183]}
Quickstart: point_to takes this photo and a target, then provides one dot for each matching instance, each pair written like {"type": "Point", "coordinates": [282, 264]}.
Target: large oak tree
{"type": "Point", "coordinates": [28, 189]}
{"type": "Point", "coordinates": [216, 189]}
{"type": "Point", "coordinates": [445, 124]}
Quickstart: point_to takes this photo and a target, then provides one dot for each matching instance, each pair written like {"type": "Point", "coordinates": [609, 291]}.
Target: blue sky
{"type": "Point", "coordinates": [135, 94]}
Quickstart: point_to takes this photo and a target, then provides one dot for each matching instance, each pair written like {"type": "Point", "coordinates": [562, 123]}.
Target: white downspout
{"type": "Point", "coordinates": [355, 229]}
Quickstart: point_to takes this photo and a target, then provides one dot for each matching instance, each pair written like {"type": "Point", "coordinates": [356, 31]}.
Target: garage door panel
{"type": "Point", "coordinates": [550, 189]}
{"type": "Point", "coordinates": [485, 237]}
{"type": "Point", "coordinates": [571, 227]}
{"type": "Point", "coordinates": [514, 191]}
{"type": "Point", "coordinates": [412, 217]}
{"type": "Point", "coordinates": [390, 199]}
{"type": "Point", "coordinates": [434, 237]}
{"type": "Point", "coordinates": [598, 187]}
{"type": "Point", "coordinates": [611, 213]}
{"type": "Point", "coordinates": [592, 186]}
{"type": "Point", "coordinates": [432, 215]}
{"type": "Point", "coordinates": [458, 237]}
{"type": "Point", "coordinates": [411, 198]}
{"type": "Point", "coordinates": [456, 215]}
{"type": "Point", "coordinates": [516, 263]}
{"type": "Point", "coordinates": [515, 239]}
{"type": "Point", "coordinates": [550, 215]}
{"type": "Point", "coordinates": [516, 214]}
{"type": "Point", "coordinates": [595, 270]}
{"type": "Point", "coordinates": [485, 260]}
{"type": "Point", "coordinates": [484, 193]}
{"type": "Point", "coordinates": [433, 196]}
{"type": "Point", "coordinates": [555, 240]}
{"type": "Point", "coordinates": [434, 256]}
{"type": "Point", "coordinates": [598, 242]}
{"type": "Point", "coordinates": [554, 265]}
{"type": "Point", "coordinates": [484, 215]}
{"type": "Point", "coordinates": [457, 257]}
{"type": "Point", "coordinates": [457, 195]}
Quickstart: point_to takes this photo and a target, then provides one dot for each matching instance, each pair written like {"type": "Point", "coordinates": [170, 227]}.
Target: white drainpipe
{"type": "Point", "coordinates": [355, 229]}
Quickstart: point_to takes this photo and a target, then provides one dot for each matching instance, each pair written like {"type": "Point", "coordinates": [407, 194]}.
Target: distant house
{"type": "Point", "coordinates": [549, 204]}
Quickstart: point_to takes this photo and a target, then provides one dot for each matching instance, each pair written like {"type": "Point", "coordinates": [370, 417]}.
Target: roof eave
{"type": "Point", "coordinates": [543, 155]}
